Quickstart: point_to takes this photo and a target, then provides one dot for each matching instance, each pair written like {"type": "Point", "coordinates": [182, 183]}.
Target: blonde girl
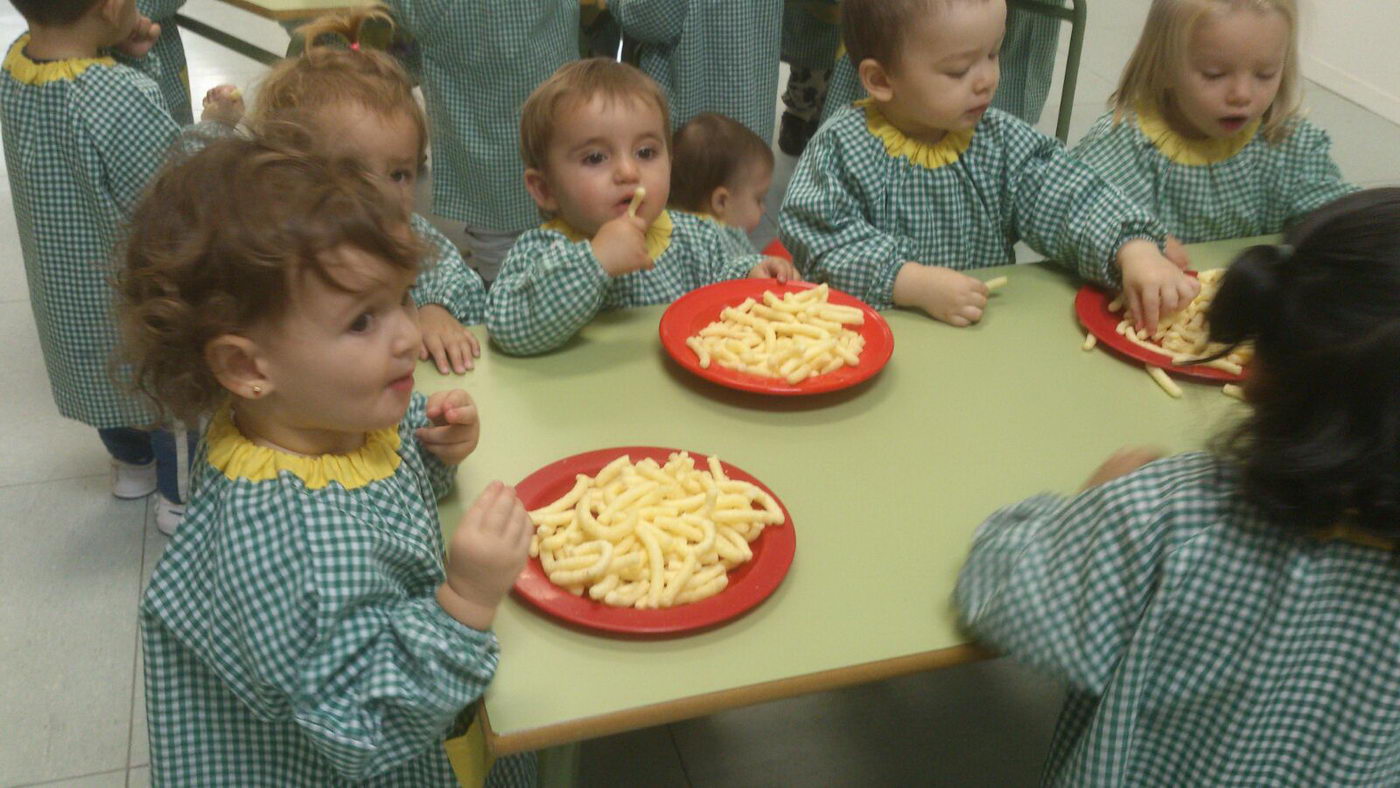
{"type": "Point", "coordinates": [1205, 130]}
{"type": "Point", "coordinates": [345, 99]}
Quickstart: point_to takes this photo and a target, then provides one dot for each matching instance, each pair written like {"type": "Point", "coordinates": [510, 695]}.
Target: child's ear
{"type": "Point", "coordinates": [236, 364]}
{"type": "Point", "coordinates": [111, 10]}
{"type": "Point", "coordinates": [538, 187]}
{"type": "Point", "coordinates": [875, 79]}
{"type": "Point", "coordinates": [719, 201]}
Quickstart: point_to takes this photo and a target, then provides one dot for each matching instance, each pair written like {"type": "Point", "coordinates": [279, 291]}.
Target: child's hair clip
{"type": "Point", "coordinates": [376, 31]}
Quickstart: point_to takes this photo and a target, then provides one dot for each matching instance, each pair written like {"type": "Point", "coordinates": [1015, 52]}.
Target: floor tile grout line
{"type": "Point", "coordinates": [136, 645]}
{"type": "Point", "coordinates": [7, 485]}
{"type": "Point", "coordinates": [680, 759]}
{"type": "Point", "coordinates": [69, 778]}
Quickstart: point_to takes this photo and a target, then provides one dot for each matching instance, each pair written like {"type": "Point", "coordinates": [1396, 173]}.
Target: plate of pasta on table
{"type": "Point", "coordinates": [1179, 346]}
{"type": "Point", "coordinates": [644, 540]}
{"type": "Point", "coordinates": [786, 339]}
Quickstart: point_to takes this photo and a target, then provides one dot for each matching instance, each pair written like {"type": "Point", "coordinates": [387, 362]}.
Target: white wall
{"type": "Point", "coordinates": [1349, 46]}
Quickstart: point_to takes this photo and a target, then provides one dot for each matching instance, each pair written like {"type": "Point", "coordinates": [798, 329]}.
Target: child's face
{"type": "Point", "coordinates": [385, 145]}
{"type": "Point", "coordinates": [603, 151]}
{"type": "Point", "coordinates": [1231, 72]}
{"type": "Point", "coordinates": [742, 204]}
{"type": "Point", "coordinates": [339, 363]}
{"type": "Point", "coordinates": [947, 72]}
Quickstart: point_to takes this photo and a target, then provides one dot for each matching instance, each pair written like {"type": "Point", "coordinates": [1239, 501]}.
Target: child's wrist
{"type": "Point", "coordinates": [467, 610]}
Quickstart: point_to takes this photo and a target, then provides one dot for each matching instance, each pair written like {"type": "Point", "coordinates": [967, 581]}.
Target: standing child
{"type": "Point", "coordinates": [710, 55]}
{"type": "Point", "coordinates": [480, 62]}
{"type": "Point", "coordinates": [597, 143]}
{"type": "Point", "coordinates": [898, 195]}
{"type": "Point", "coordinates": [303, 627]}
{"type": "Point", "coordinates": [358, 104]}
{"type": "Point", "coordinates": [174, 78]}
{"type": "Point", "coordinates": [811, 40]}
{"type": "Point", "coordinates": [1231, 618]}
{"type": "Point", "coordinates": [1205, 131]}
{"type": "Point", "coordinates": [721, 171]}
{"type": "Point", "coordinates": [83, 134]}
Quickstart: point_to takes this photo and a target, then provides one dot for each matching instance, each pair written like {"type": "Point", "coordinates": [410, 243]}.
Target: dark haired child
{"type": "Point", "coordinates": [1231, 617]}
{"type": "Point", "coordinates": [721, 171]}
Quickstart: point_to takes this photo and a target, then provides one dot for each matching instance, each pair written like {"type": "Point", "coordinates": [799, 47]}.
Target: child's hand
{"type": "Point", "coordinates": [1122, 462]}
{"type": "Point", "coordinates": [448, 343]}
{"type": "Point", "coordinates": [223, 103]}
{"type": "Point", "coordinates": [142, 38]}
{"type": "Point", "coordinates": [1153, 285]}
{"type": "Point", "coordinates": [487, 553]}
{"type": "Point", "coordinates": [774, 268]}
{"type": "Point", "coordinates": [456, 427]}
{"type": "Point", "coordinates": [1176, 252]}
{"type": "Point", "coordinates": [621, 246]}
{"type": "Point", "coordinates": [945, 294]}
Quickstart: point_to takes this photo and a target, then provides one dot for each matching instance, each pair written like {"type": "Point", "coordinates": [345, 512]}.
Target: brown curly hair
{"type": "Point", "coordinates": [298, 89]}
{"type": "Point", "coordinates": [216, 244]}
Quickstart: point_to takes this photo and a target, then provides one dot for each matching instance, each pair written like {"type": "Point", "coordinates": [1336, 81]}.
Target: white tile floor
{"type": "Point", "coordinates": [73, 560]}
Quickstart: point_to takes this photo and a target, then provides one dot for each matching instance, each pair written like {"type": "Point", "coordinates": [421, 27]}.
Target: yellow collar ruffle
{"type": "Point", "coordinates": [239, 458]}
{"type": "Point", "coordinates": [1193, 153]}
{"type": "Point", "coordinates": [31, 73]}
{"type": "Point", "coordinates": [658, 234]}
{"type": "Point", "coordinates": [897, 144]}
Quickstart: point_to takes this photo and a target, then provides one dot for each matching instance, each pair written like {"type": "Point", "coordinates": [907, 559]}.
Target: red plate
{"type": "Point", "coordinates": [699, 308]}
{"type": "Point", "coordinates": [749, 584]}
{"type": "Point", "coordinates": [1091, 305]}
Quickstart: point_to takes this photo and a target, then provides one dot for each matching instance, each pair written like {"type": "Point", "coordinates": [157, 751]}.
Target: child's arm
{"type": "Point", "coordinates": [131, 132]}
{"type": "Point", "coordinates": [1112, 150]}
{"type": "Point", "coordinates": [548, 289]}
{"type": "Point", "coordinates": [450, 296]}
{"type": "Point", "coordinates": [650, 21]}
{"type": "Point", "coordinates": [823, 222]}
{"type": "Point", "coordinates": [1309, 177]}
{"type": "Point", "coordinates": [447, 428]}
{"type": "Point", "coordinates": [1062, 583]}
{"type": "Point", "coordinates": [488, 551]}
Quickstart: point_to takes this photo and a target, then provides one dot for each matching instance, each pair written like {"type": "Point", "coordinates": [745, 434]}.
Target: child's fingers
{"type": "Point", "coordinates": [497, 518]}
{"type": "Point", "coordinates": [457, 351]}
{"type": "Point", "coordinates": [461, 414]}
{"type": "Point", "coordinates": [482, 504]}
{"type": "Point", "coordinates": [474, 345]}
{"type": "Point", "coordinates": [438, 352]}
{"type": "Point", "coordinates": [972, 313]}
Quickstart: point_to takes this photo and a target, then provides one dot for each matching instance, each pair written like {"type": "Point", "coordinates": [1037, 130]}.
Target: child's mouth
{"type": "Point", "coordinates": [1233, 122]}
{"type": "Point", "coordinates": [404, 383]}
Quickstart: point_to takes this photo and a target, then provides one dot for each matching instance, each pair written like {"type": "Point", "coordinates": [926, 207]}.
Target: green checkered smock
{"type": "Point", "coordinates": [1202, 644]}
{"type": "Point", "coordinates": [1027, 66]}
{"type": "Point", "coordinates": [174, 75]}
{"type": "Point", "coordinates": [82, 138]}
{"type": "Point", "coordinates": [710, 55]}
{"type": "Point", "coordinates": [446, 279]}
{"type": "Point", "coordinates": [736, 241]}
{"type": "Point", "coordinates": [291, 630]}
{"type": "Point", "coordinates": [480, 61]}
{"type": "Point", "coordinates": [811, 35]}
{"type": "Point", "coordinates": [551, 286]}
{"type": "Point", "coordinates": [854, 214]}
{"type": "Point", "coordinates": [1258, 190]}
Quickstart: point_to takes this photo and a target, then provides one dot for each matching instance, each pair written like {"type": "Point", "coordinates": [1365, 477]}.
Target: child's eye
{"type": "Point", "coordinates": [362, 323]}
{"type": "Point", "coordinates": [594, 158]}
{"type": "Point", "coordinates": [646, 153]}
{"type": "Point", "coordinates": [1212, 75]}
{"type": "Point", "coordinates": [401, 176]}
{"type": "Point", "coordinates": [1266, 76]}
{"type": "Point", "coordinates": [959, 74]}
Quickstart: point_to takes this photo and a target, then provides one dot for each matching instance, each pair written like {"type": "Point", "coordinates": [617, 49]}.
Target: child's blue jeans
{"type": "Point", "coordinates": [138, 447]}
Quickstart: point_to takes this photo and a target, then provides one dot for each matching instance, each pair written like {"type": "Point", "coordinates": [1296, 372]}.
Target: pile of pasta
{"type": "Point", "coordinates": [1184, 337]}
{"type": "Point", "coordinates": [794, 337]}
{"type": "Point", "coordinates": [648, 535]}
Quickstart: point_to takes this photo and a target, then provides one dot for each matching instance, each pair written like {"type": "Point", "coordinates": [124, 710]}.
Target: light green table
{"type": "Point", "coordinates": [885, 483]}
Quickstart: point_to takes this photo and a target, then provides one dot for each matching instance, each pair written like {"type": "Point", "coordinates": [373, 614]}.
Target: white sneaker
{"type": "Point", "coordinates": [133, 481]}
{"type": "Point", "coordinates": [168, 515]}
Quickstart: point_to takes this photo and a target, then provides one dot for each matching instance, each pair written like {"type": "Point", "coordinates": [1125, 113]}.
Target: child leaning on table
{"type": "Point", "coordinates": [1205, 131]}
{"type": "Point", "coordinates": [595, 139]}
{"type": "Point", "coordinates": [1230, 617]}
{"type": "Point", "coordinates": [358, 104]}
{"type": "Point", "coordinates": [721, 171]}
{"type": "Point", "coordinates": [83, 134]}
{"type": "Point", "coordinates": [896, 196]}
{"type": "Point", "coordinates": [303, 627]}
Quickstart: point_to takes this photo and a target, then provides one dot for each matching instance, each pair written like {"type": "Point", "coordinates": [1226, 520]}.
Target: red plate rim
{"type": "Point", "coordinates": [698, 308]}
{"type": "Point", "coordinates": [1091, 306]}
{"type": "Point", "coordinates": [749, 584]}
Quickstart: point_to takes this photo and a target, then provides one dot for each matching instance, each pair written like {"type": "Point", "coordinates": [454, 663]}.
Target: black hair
{"type": "Point", "coordinates": [53, 12]}
{"type": "Point", "coordinates": [1322, 445]}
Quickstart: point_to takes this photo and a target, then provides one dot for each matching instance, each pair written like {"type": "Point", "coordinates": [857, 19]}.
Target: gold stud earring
{"type": "Point", "coordinates": [257, 390]}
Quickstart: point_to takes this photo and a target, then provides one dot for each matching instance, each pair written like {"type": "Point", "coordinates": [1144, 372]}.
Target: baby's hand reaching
{"type": "Point", "coordinates": [1154, 286]}
{"type": "Point", "coordinates": [223, 104]}
{"type": "Point", "coordinates": [1175, 251]}
{"type": "Point", "coordinates": [448, 343]}
{"type": "Point", "coordinates": [945, 294]}
{"type": "Point", "coordinates": [142, 38]}
{"type": "Point", "coordinates": [621, 245]}
{"type": "Point", "coordinates": [774, 268]}
{"type": "Point", "coordinates": [456, 428]}
{"type": "Point", "coordinates": [487, 553]}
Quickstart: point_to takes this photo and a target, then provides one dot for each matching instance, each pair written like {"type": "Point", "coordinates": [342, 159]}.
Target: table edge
{"type": "Point", "coordinates": [280, 16]}
{"type": "Point", "coordinates": [721, 700]}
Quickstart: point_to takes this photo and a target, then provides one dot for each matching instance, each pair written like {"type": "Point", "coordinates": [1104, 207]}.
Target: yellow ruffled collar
{"type": "Point", "coordinates": [239, 458]}
{"type": "Point", "coordinates": [1193, 153]}
{"type": "Point", "coordinates": [897, 144]}
{"type": "Point", "coordinates": [25, 70]}
{"type": "Point", "coordinates": [658, 234]}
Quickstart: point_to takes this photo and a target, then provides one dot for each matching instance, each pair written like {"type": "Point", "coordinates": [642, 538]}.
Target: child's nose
{"type": "Point", "coordinates": [1240, 91]}
{"type": "Point", "coordinates": [407, 337]}
{"type": "Point", "coordinates": [627, 170]}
